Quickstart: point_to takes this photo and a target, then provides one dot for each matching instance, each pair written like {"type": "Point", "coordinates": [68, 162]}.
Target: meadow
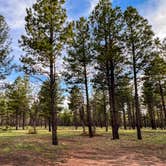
{"type": "Point", "coordinates": [75, 149]}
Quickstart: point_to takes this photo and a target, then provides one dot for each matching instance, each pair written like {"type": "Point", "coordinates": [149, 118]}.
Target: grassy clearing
{"type": "Point", "coordinates": [37, 149]}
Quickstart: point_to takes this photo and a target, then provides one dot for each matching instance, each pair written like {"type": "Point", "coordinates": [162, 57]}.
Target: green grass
{"type": "Point", "coordinates": [14, 142]}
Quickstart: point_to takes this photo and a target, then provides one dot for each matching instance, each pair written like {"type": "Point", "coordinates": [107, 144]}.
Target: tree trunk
{"type": "Point", "coordinates": [110, 100]}
{"type": "Point", "coordinates": [124, 118]}
{"type": "Point", "coordinates": [162, 100]}
{"type": "Point", "coordinates": [145, 123]}
{"type": "Point", "coordinates": [52, 106]}
{"type": "Point", "coordinates": [162, 125]}
{"type": "Point", "coordinates": [16, 119]}
{"type": "Point", "coordinates": [137, 109]}
{"type": "Point", "coordinates": [114, 111]}
{"type": "Point", "coordinates": [133, 116]}
{"type": "Point", "coordinates": [49, 124]}
{"type": "Point", "coordinates": [23, 120]}
{"type": "Point", "coordinates": [75, 120]}
{"type": "Point", "coordinates": [152, 116]}
{"type": "Point", "coordinates": [89, 118]}
{"type": "Point", "coordinates": [130, 119]}
{"type": "Point", "coordinates": [81, 110]}
{"type": "Point", "coordinates": [105, 112]}
{"type": "Point", "coordinates": [53, 92]}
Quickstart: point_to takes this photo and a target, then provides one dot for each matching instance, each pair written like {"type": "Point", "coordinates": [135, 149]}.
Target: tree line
{"type": "Point", "coordinates": [114, 70]}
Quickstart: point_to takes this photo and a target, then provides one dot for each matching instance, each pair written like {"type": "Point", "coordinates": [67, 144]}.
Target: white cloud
{"type": "Point", "coordinates": [155, 12]}
{"type": "Point", "coordinates": [15, 11]}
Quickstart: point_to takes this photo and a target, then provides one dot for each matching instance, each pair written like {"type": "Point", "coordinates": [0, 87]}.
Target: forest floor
{"type": "Point", "coordinates": [17, 148]}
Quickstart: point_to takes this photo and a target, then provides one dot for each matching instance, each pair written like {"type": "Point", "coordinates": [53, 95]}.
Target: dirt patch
{"type": "Point", "coordinates": [95, 152]}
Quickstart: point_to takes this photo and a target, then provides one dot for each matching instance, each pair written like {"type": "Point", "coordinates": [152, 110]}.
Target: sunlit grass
{"type": "Point", "coordinates": [12, 141]}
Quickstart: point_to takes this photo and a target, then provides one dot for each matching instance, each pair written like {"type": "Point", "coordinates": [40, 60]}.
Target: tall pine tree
{"type": "Point", "coordinates": [138, 44]}
{"type": "Point", "coordinates": [107, 28]}
{"type": "Point", "coordinates": [78, 62]}
{"type": "Point", "coordinates": [43, 42]}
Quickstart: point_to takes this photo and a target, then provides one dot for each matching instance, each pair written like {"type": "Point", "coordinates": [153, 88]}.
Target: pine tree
{"type": "Point", "coordinates": [76, 106]}
{"type": "Point", "coordinates": [44, 100]}
{"type": "Point", "coordinates": [107, 28]}
{"type": "Point", "coordinates": [78, 62]}
{"type": "Point", "coordinates": [156, 72]}
{"type": "Point", "coordinates": [18, 99]}
{"type": "Point", "coordinates": [5, 59]}
{"type": "Point", "coordinates": [148, 94]}
{"type": "Point", "coordinates": [138, 43]}
{"type": "Point", "coordinates": [45, 37]}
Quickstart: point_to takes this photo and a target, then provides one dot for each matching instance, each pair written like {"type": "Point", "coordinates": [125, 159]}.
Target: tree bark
{"type": "Point", "coordinates": [162, 100]}
{"type": "Point", "coordinates": [52, 106]}
{"type": "Point", "coordinates": [137, 109]}
{"type": "Point", "coordinates": [114, 111]}
{"type": "Point", "coordinates": [89, 117]}
{"type": "Point", "coordinates": [16, 119]}
{"type": "Point", "coordinates": [124, 118]}
{"type": "Point", "coordinates": [53, 92]}
{"type": "Point", "coordinates": [23, 120]}
{"type": "Point", "coordinates": [105, 111]}
{"type": "Point", "coordinates": [75, 119]}
{"type": "Point", "coordinates": [152, 115]}
{"type": "Point", "coordinates": [130, 119]}
{"type": "Point", "coordinates": [81, 110]}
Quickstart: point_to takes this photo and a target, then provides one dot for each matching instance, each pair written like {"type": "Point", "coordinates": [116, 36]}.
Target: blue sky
{"type": "Point", "coordinates": [14, 12]}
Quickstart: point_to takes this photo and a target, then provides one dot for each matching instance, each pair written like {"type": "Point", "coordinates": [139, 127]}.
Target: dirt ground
{"type": "Point", "coordinates": [119, 155]}
{"type": "Point", "coordinates": [84, 151]}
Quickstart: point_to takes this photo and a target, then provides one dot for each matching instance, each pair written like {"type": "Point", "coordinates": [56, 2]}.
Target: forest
{"type": "Point", "coordinates": [104, 105]}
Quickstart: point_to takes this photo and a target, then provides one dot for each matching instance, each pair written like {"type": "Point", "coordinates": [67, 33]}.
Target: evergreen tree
{"type": "Point", "coordinates": [156, 72]}
{"type": "Point", "coordinates": [78, 62]}
{"type": "Point", "coordinates": [148, 94]}
{"type": "Point", "coordinates": [76, 106]}
{"type": "Point", "coordinates": [18, 99]}
{"type": "Point", "coordinates": [45, 37]}
{"type": "Point", "coordinates": [44, 100]}
{"type": "Point", "coordinates": [5, 60]}
{"type": "Point", "coordinates": [107, 28]}
{"type": "Point", "coordinates": [138, 45]}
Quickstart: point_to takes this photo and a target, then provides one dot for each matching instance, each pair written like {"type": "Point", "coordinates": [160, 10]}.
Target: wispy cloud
{"type": "Point", "coordinates": [154, 11]}
{"type": "Point", "coordinates": [14, 11]}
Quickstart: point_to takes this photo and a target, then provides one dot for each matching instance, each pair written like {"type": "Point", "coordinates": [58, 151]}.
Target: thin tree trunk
{"type": "Point", "coordinates": [137, 109]}
{"type": "Point", "coordinates": [109, 92]}
{"type": "Point", "coordinates": [81, 110]}
{"type": "Point", "coordinates": [49, 124]}
{"type": "Point", "coordinates": [129, 115]}
{"type": "Point", "coordinates": [105, 112]}
{"type": "Point", "coordinates": [45, 122]}
{"type": "Point", "coordinates": [23, 120]}
{"type": "Point", "coordinates": [152, 116]}
{"type": "Point", "coordinates": [124, 118]}
{"type": "Point", "coordinates": [145, 124]}
{"type": "Point", "coordinates": [133, 116]}
{"type": "Point", "coordinates": [16, 119]}
{"type": "Point", "coordinates": [53, 109]}
{"type": "Point", "coordinates": [162, 125]}
{"type": "Point", "coordinates": [52, 106]}
{"type": "Point", "coordinates": [75, 120]}
{"type": "Point", "coordinates": [162, 99]}
{"type": "Point", "coordinates": [89, 118]}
